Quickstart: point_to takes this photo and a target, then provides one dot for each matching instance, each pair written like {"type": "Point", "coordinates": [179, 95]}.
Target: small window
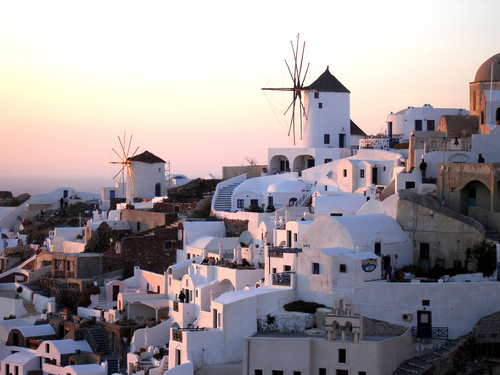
{"type": "Point", "coordinates": [258, 372]}
{"type": "Point", "coordinates": [240, 203]}
{"type": "Point", "coordinates": [440, 262]}
{"type": "Point", "coordinates": [297, 373]}
{"type": "Point", "coordinates": [254, 202]}
{"type": "Point", "coordinates": [424, 250]}
{"type": "Point", "coordinates": [361, 173]}
{"type": "Point", "coordinates": [47, 348]}
{"type": "Point", "coordinates": [426, 302]}
{"type": "Point", "coordinates": [457, 264]}
{"type": "Point", "coordinates": [343, 268]}
{"type": "Point", "coordinates": [326, 139]}
{"type": "Point", "coordinates": [287, 268]}
{"type": "Point", "coordinates": [430, 125]}
{"type": "Point", "coordinates": [277, 372]}
{"type": "Point", "coordinates": [316, 95]}
{"type": "Point", "coordinates": [342, 356]}
{"type": "Point", "coordinates": [326, 188]}
{"type": "Point", "coordinates": [196, 293]}
{"type": "Point", "coordinates": [328, 161]}
{"type": "Point", "coordinates": [361, 372]}
{"type": "Point", "coordinates": [384, 169]}
{"type": "Point", "coordinates": [418, 125]}
{"type": "Point", "coordinates": [410, 185]}
{"type": "Point", "coordinates": [322, 371]}
{"type": "Point", "coordinates": [168, 245]}
{"type": "Point", "coordinates": [273, 270]}
{"type": "Point", "coordinates": [320, 105]}
{"type": "Point", "coordinates": [345, 172]}
{"type": "Point", "coordinates": [315, 268]}
{"type": "Point", "coordinates": [138, 226]}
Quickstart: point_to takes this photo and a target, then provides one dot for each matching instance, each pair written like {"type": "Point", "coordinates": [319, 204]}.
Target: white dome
{"type": "Point", "coordinates": [287, 187]}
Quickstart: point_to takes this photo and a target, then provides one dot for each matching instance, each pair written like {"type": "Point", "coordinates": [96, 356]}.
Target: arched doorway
{"type": "Point", "coordinates": [302, 162]}
{"type": "Point", "coordinates": [474, 194]}
{"type": "Point", "coordinates": [279, 164]}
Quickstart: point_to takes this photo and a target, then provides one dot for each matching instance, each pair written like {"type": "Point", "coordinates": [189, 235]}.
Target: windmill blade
{"type": "Point", "coordinates": [121, 144]}
{"type": "Point", "coordinates": [130, 172]}
{"type": "Point", "coordinates": [129, 144]}
{"type": "Point", "coordinates": [134, 153]}
{"type": "Point", "coordinates": [120, 171]}
{"type": "Point", "coordinates": [118, 156]}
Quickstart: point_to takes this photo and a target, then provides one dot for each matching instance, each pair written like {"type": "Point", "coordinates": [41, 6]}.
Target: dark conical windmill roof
{"type": "Point", "coordinates": [147, 157]}
{"type": "Point", "coordinates": [326, 83]}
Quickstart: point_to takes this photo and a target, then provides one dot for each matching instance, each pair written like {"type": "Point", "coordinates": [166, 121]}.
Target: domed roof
{"type": "Point", "coordinates": [287, 187]}
{"type": "Point", "coordinates": [484, 71]}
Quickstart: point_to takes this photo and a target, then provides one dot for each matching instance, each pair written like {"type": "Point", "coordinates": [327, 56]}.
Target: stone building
{"type": "Point", "coordinates": [483, 102]}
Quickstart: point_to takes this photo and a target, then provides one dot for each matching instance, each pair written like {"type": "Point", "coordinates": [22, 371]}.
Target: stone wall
{"type": "Point", "coordinates": [290, 323]}
{"type": "Point", "coordinates": [154, 252]}
{"type": "Point", "coordinates": [487, 329]}
{"type": "Point", "coordinates": [250, 170]}
{"type": "Point", "coordinates": [142, 220]}
{"type": "Point", "coordinates": [114, 335]}
{"type": "Point", "coordinates": [235, 227]}
{"type": "Point", "coordinates": [184, 208]}
{"type": "Point", "coordinates": [374, 327]}
{"type": "Point", "coordinates": [448, 233]}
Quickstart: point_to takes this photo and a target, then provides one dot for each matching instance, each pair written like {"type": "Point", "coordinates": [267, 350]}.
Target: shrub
{"type": "Point", "coordinates": [270, 319]}
{"type": "Point", "coordinates": [485, 254]}
{"type": "Point", "coordinates": [303, 306]}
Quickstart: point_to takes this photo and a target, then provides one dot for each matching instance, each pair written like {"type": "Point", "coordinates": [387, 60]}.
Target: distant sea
{"type": "Point", "coordinates": [36, 186]}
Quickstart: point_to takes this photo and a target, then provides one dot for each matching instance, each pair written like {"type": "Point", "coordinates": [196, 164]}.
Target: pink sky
{"type": "Point", "coordinates": [186, 79]}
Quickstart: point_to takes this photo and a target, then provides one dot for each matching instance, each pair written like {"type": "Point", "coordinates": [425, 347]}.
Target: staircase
{"type": "Point", "coordinates": [421, 363]}
{"type": "Point", "coordinates": [492, 235]}
{"type": "Point", "coordinates": [102, 295]}
{"type": "Point", "coordinates": [223, 198]}
{"type": "Point", "coordinates": [113, 367]}
{"type": "Point", "coordinates": [28, 305]}
{"type": "Point", "coordinates": [99, 338]}
{"type": "Point", "coordinates": [113, 364]}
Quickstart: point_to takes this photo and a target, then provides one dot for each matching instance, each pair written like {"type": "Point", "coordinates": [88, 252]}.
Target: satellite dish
{"type": "Point", "coordinates": [246, 238]}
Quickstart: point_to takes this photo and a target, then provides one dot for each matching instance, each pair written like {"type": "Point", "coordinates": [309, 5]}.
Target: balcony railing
{"type": "Point", "coordinates": [430, 332]}
{"type": "Point", "coordinates": [283, 279]}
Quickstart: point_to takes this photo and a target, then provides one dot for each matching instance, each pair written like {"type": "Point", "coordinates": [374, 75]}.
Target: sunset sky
{"type": "Point", "coordinates": [185, 78]}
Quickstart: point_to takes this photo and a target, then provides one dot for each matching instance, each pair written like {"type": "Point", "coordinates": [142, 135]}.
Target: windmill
{"type": "Point", "coordinates": [125, 161]}
{"type": "Point", "coordinates": [296, 106]}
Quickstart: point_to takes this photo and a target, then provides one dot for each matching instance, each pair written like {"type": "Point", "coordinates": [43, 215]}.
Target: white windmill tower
{"type": "Point", "coordinates": [319, 118]}
{"type": "Point", "coordinates": [143, 174]}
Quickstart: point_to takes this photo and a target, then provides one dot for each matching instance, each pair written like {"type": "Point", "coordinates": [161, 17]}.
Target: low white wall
{"type": "Point", "coordinates": [71, 247]}
{"type": "Point", "coordinates": [9, 306]}
{"type": "Point", "coordinates": [184, 369]}
{"type": "Point", "coordinates": [87, 313]}
{"type": "Point", "coordinates": [158, 335]}
{"type": "Point", "coordinates": [40, 302]}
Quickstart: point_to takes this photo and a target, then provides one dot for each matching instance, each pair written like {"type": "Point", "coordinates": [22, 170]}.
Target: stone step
{"type": "Point", "coordinates": [420, 363]}
{"type": "Point", "coordinates": [405, 366]}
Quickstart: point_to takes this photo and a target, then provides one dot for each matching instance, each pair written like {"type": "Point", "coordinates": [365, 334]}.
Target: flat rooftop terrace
{"type": "Point", "coordinates": [280, 335]}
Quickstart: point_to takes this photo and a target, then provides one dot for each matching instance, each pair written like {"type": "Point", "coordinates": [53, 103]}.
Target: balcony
{"type": "Point", "coordinates": [282, 279]}
{"type": "Point", "coordinates": [430, 332]}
